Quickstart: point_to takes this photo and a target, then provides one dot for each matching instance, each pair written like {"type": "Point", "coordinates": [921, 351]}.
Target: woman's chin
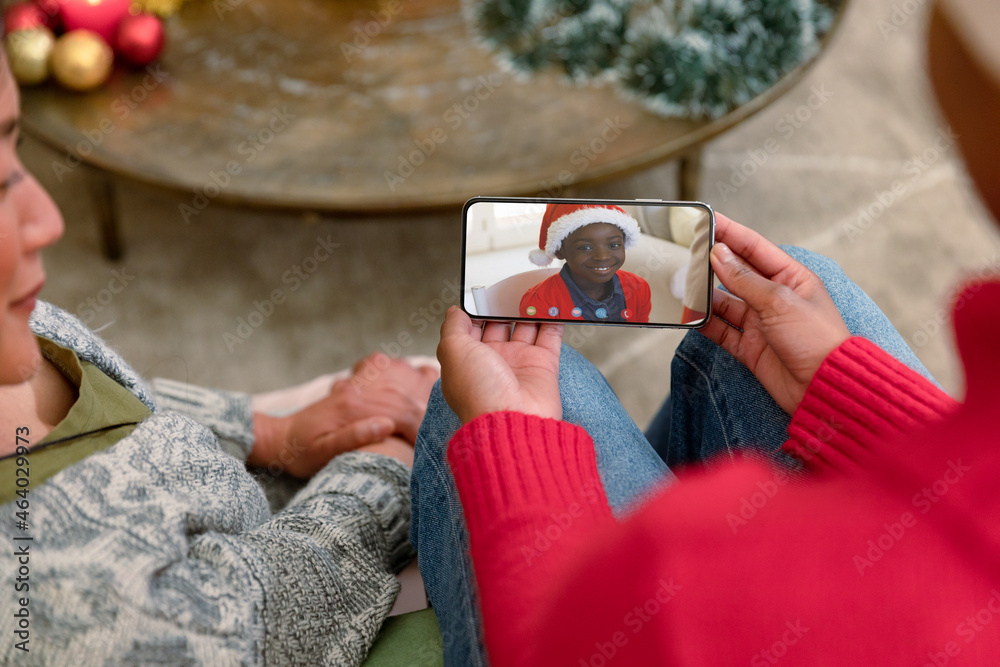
{"type": "Point", "coordinates": [20, 358]}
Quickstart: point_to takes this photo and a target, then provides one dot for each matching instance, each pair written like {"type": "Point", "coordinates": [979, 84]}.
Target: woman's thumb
{"type": "Point", "coordinates": [740, 278]}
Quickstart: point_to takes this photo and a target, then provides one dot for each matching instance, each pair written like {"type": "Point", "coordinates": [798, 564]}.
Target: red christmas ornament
{"type": "Point", "coordinates": [53, 19]}
{"type": "Point", "coordinates": [22, 16]}
{"type": "Point", "coordinates": [99, 16]}
{"type": "Point", "coordinates": [139, 39]}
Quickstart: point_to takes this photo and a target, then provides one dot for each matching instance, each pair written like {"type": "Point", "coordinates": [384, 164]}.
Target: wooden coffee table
{"type": "Point", "coordinates": [349, 106]}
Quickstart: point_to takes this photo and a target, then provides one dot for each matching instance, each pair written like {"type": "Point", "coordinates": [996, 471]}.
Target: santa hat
{"type": "Point", "coordinates": [561, 220]}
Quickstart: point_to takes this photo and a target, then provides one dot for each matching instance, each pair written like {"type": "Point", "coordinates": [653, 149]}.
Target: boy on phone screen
{"type": "Point", "coordinates": [592, 238]}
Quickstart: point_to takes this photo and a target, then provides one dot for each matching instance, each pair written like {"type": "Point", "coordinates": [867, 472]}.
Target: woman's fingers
{"type": "Point", "coordinates": [730, 309]}
{"type": "Point", "coordinates": [457, 332]}
{"type": "Point", "coordinates": [741, 279]}
{"type": "Point", "coordinates": [550, 337]}
{"type": "Point", "coordinates": [761, 254]}
{"type": "Point", "coordinates": [525, 332]}
{"type": "Point", "coordinates": [496, 332]}
{"type": "Point", "coordinates": [359, 433]}
{"type": "Point", "coordinates": [456, 322]}
{"type": "Point", "coordinates": [727, 321]}
{"type": "Point", "coordinates": [429, 372]}
{"type": "Point", "coordinates": [376, 360]}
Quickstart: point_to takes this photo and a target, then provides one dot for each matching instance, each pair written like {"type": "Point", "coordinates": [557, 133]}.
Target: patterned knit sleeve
{"type": "Point", "coordinates": [162, 549]}
{"type": "Point", "coordinates": [227, 413]}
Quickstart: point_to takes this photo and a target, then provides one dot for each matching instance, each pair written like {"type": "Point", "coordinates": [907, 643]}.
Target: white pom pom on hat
{"type": "Point", "coordinates": [538, 256]}
{"type": "Point", "coordinates": [561, 220]}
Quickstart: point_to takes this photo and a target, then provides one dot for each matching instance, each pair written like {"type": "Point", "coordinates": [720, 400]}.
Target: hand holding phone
{"type": "Point", "coordinates": [643, 263]}
{"type": "Point", "coordinates": [497, 367]}
{"type": "Point", "coordinates": [778, 319]}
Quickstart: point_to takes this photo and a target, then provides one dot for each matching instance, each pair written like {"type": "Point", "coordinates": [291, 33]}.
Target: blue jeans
{"type": "Point", "coordinates": [716, 408]}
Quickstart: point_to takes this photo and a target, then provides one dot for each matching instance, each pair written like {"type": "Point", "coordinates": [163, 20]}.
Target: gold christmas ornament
{"type": "Point", "coordinates": [161, 8]}
{"type": "Point", "coordinates": [81, 60]}
{"type": "Point", "coordinates": [28, 54]}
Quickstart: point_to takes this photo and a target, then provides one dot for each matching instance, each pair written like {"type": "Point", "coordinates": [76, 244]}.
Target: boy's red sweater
{"type": "Point", "coordinates": [553, 292]}
{"type": "Point", "coordinates": [888, 555]}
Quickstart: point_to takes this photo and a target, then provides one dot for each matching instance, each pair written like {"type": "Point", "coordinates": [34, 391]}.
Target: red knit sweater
{"type": "Point", "coordinates": [888, 555]}
{"type": "Point", "coordinates": [552, 292]}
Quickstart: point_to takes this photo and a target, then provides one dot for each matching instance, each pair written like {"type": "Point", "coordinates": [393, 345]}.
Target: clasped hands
{"type": "Point", "coordinates": [377, 409]}
{"type": "Point", "coordinates": [777, 319]}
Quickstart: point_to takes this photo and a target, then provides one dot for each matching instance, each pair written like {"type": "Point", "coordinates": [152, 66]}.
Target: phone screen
{"type": "Point", "coordinates": [624, 262]}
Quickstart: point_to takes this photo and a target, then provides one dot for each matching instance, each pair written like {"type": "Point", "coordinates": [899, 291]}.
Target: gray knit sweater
{"type": "Point", "coordinates": [162, 549]}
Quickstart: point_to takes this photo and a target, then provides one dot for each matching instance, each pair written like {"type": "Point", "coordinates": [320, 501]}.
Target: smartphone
{"type": "Point", "coordinates": [642, 262]}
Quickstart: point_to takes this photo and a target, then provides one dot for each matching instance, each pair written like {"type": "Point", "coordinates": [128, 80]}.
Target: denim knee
{"type": "Point", "coordinates": [695, 345]}
{"type": "Point", "coordinates": [572, 361]}
{"type": "Point", "coordinates": [821, 265]}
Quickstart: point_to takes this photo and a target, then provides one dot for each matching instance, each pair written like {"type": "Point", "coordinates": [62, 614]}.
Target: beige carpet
{"type": "Point", "coordinates": [860, 126]}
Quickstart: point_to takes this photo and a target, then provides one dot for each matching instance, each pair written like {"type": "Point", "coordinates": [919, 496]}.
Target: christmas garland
{"type": "Point", "coordinates": [686, 58]}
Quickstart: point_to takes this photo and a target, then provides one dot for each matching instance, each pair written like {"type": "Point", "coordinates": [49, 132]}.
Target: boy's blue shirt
{"type": "Point", "coordinates": [610, 307]}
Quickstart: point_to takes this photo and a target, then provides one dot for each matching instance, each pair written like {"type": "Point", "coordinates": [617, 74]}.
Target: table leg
{"type": "Point", "coordinates": [103, 192]}
{"type": "Point", "coordinates": [689, 175]}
